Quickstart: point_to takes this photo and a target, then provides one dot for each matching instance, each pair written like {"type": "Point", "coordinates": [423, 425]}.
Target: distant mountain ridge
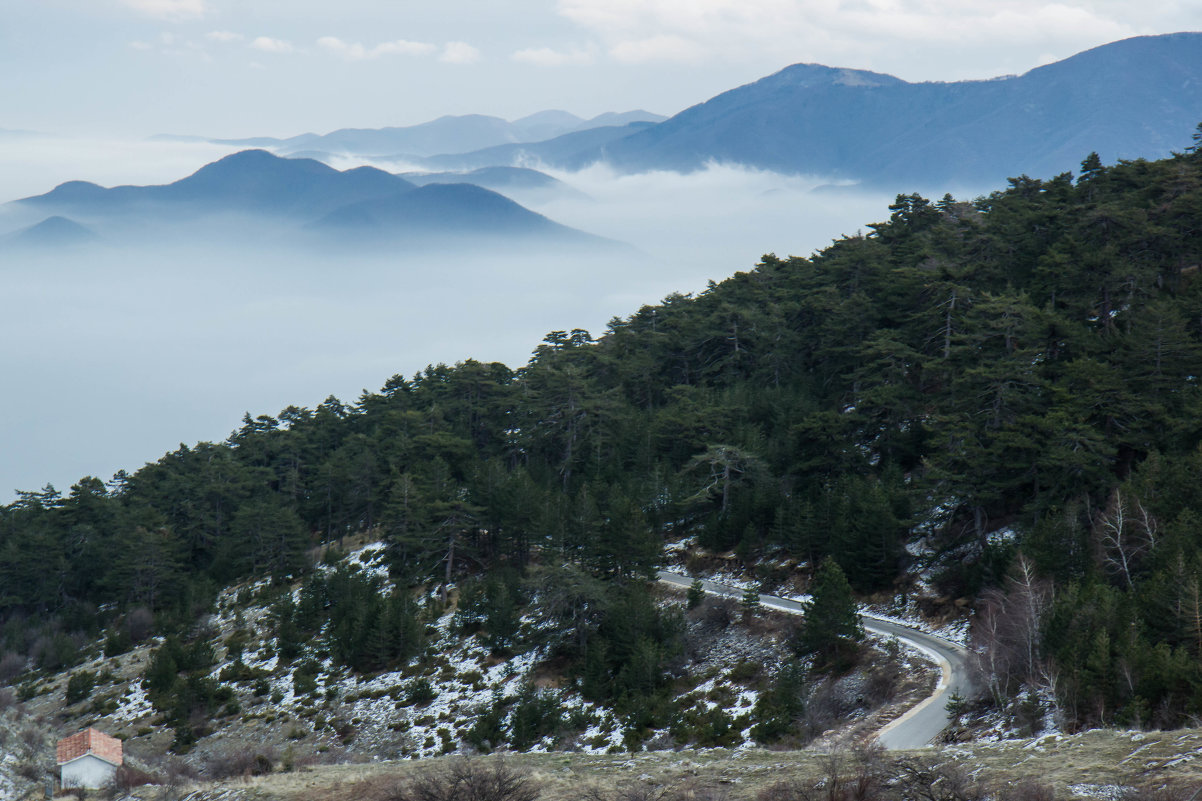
{"type": "Point", "coordinates": [1139, 97]}
{"type": "Point", "coordinates": [447, 134]}
{"type": "Point", "coordinates": [1136, 98]}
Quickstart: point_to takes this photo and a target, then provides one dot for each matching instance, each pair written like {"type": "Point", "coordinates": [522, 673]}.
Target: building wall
{"type": "Point", "coordinates": [87, 771]}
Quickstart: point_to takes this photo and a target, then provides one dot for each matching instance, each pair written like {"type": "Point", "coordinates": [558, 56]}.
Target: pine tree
{"type": "Point", "coordinates": [831, 632]}
{"type": "Point", "coordinates": [750, 602]}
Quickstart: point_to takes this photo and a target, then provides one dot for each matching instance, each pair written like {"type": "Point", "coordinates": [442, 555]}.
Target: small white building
{"type": "Point", "coordinates": [88, 759]}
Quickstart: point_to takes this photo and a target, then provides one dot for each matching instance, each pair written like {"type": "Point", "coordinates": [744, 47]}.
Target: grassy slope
{"type": "Point", "coordinates": [1088, 763]}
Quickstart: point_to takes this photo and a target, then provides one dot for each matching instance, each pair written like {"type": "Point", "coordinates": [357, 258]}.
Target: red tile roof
{"type": "Point", "coordinates": [89, 741]}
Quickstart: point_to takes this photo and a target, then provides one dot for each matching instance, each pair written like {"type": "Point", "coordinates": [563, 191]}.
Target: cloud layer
{"type": "Point", "coordinates": [354, 51]}
{"type": "Point", "coordinates": [169, 9]}
{"type": "Point", "coordinates": [850, 32]}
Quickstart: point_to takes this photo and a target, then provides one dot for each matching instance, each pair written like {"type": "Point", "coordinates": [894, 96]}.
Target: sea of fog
{"type": "Point", "coordinates": [114, 357]}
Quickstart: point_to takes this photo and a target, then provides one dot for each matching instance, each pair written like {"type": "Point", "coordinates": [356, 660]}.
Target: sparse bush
{"type": "Point", "coordinates": [304, 678]}
{"type": "Point", "coordinates": [469, 780]}
{"type": "Point", "coordinates": [116, 642]}
{"type": "Point", "coordinates": [420, 693]}
{"type": "Point", "coordinates": [79, 686]}
{"type": "Point", "coordinates": [745, 671]}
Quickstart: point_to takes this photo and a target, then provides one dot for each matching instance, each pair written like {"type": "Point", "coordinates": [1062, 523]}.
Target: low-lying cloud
{"type": "Point", "coordinates": [118, 354]}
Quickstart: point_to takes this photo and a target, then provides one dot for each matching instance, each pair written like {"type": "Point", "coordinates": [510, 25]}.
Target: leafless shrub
{"type": "Point", "coordinates": [11, 666]}
{"type": "Point", "coordinates": [881, 685]}
{"type": "Point", "coordinates": [858, 775]}
{"type": "Point", "coordinates": [128, 777]}
{"type": "Point", "coordinates": [924, 780]}
{"type": "Point", "coordinates": [238, 760]}
{"type": "Point", "coordinates": [824, 709]}
{"type": "Point", "coordinates": [139, 623]}
{"type": "Point", "coordinates": [29, 769]}
{"type": "Point", "coordinates": [8, 699]}
{"type": "Point", "coordinates": [718, 612]}
{"type": "Point", "coordinates": [469, 780]}
{"type": "Point", "coordinates": [176, 772]}
{"type": "Point", "coordinates": [32, 737]}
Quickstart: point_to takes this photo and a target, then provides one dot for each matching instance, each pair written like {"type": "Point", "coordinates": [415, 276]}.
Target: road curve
{"type": "Point", "coordinates": [923, 722]}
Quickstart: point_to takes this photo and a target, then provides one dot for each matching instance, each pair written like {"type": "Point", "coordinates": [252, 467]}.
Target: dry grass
{"type": "Point", "coordinates": [1166, 765]}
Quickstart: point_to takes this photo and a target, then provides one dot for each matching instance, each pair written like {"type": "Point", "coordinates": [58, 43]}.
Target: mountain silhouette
{"type": "Point", "coordinates": [250, 181]}
{"type": "Point", "coordinates": [447, 134]}
{"type": "Point", "coordinates": [438, 211]}
{"type": "Point", "coordinates": [1136, 98]}
{"type": "Point", "coordinates": [243, 192]}
{"type": "Point", "coordinates": [571, 150]}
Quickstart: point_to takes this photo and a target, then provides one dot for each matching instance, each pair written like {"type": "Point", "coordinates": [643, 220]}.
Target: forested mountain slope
{"type": "Point", "coordinates": [1030, 360]}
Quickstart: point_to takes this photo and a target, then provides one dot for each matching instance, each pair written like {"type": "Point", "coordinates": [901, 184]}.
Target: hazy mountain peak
{"type": "Point", "coordinates": [74, 190]}
{"type": "Point", "coordinates": [804, 76]}
{"type": "Point", "coordinates": [249, 162]}
{"type": "Point", "coordinates": [52, 231]}
{"type": "Point", "coordinates": [550, 116]}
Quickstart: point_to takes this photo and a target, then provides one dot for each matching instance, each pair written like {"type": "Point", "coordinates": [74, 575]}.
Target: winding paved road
{"type": "Point", "coordinates": [923, 722]}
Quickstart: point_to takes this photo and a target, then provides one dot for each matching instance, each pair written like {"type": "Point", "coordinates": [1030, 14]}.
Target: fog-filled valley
{"type": "Point", "coordinates": [152, 334]}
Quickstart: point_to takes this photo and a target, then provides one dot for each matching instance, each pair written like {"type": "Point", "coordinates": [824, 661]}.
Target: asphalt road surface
{"type": "Point", "coordinates": [923, 722]}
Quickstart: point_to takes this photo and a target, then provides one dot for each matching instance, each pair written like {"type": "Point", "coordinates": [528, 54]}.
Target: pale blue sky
{"type": "Point", "coordinates": [280, 67]}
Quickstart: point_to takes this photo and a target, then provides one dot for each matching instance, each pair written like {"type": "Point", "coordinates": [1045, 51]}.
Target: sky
{"type": "Point", "coordinates": [231, 68]}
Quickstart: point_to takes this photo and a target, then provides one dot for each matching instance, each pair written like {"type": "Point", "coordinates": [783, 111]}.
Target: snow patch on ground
{"type": "Point", "coordinates": [134, 704]}
{"type": "Point", "coordinates": [955, 631]}
{"type": "Point", "coordinates": [1107, 792]}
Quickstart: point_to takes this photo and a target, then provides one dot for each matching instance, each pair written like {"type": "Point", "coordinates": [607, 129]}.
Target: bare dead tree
{"type": "Point", "coordinates": [1006, 632]}
{"type": "Point", "coordinates": [1125, 533]}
